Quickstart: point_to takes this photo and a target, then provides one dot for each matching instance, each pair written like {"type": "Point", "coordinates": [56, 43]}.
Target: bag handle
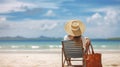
{"type": "Point", "coordinates": [88, 47]}
{"type": "Point", "coordinates": [92, 48]}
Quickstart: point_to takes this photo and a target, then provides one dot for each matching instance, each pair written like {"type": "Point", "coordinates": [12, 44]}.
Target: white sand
{"type": "Point", "coordinates": [50, 58]}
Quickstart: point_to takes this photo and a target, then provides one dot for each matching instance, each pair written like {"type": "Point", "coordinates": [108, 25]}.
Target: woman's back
{"type": "Point", "coordinates": [78, 40]}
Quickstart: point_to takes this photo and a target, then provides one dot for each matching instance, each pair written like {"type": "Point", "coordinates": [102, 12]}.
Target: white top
{"type": "Point", "coordinates": [83, 39]}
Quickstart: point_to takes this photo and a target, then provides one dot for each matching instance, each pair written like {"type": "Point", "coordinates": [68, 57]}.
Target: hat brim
{"type": "Point", "coordinates": [69, 30]}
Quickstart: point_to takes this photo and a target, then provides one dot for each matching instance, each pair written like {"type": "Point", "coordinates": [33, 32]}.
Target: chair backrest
{"type": "Point", "coordinates": [71, 50]}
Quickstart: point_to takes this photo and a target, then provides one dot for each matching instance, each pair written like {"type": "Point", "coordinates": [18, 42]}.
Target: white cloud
{"type": "Point", "coordinates": [2, 19]}
{"type": "Point", "coordinates": [102, 32]}
{"type": "Point", "coordinates": [34, 24]}
{"type": "Point", "coordinates": [8, 6]}
{"type": "Point", "coordinates": [14, 5]}
{"type": "Point", "coordinates": [110, 17]}
{"type": "Point", "coordinates": [31, 28]}
{"type": "Point", "coordinates": [50, 13]}
{"type": "Point", "coordinates": [96, 18]}
{"type": "Point", "coordinates": [104, 23]}
{"type": "Point", "coordinates": [3, 25]}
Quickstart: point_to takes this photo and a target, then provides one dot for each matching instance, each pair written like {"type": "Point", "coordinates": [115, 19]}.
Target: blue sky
{"type": "Point", "coordinates": [34, 18]}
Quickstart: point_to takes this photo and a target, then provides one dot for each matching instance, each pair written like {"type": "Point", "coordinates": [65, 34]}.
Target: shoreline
{"type": "Point", "coordinates": [57, 50]}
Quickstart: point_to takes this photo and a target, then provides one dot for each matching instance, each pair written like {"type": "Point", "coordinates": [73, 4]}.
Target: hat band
{"type": "Point", "coordinates": [75, 27]}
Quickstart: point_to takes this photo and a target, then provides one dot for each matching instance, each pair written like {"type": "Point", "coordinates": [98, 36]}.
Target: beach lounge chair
{"type": "Point", "coordinates": [72, 53]}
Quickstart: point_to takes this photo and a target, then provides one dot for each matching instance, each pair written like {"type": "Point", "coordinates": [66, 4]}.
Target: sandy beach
{"type": "Point", "coordinates": [48, 58]}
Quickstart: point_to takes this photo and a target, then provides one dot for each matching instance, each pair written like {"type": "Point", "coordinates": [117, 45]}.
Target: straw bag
{"type": "Point", "coordinates": [92, 59]}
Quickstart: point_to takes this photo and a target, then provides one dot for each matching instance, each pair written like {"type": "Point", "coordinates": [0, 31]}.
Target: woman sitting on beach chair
{"type": "Point", "coordinates": [75, 29]}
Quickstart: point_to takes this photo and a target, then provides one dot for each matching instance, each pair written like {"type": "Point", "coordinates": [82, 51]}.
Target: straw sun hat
{"type": "Point", "coordinates": [74, 28]}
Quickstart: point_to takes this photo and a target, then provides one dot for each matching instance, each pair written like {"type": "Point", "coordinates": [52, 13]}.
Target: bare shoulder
{"type": "Point", "coordinates": [87, 38]}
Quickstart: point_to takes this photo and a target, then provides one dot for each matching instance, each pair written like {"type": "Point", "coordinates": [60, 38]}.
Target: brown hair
{"type": "Point", "coordinates": [78, 40]}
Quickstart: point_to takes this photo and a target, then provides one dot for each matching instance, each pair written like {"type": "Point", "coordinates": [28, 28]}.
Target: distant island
{"type": "Point", "coordinates": [47, 38]}
{"type": "Point", "coordinates": [115, 38]}
{"type": "Point", "coordinates": [23, 38]}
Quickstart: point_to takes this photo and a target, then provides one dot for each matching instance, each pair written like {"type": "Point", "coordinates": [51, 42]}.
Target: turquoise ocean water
{"type": "Point", "coordinates": [51, 44]}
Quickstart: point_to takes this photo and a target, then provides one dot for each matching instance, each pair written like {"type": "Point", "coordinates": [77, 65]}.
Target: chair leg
{"type": "Point", "coordinates": [68, 62]}
{"type": "Point", "coordinates": [69, 59]}
{"type": "Point", "coordinates": [62, 59]}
